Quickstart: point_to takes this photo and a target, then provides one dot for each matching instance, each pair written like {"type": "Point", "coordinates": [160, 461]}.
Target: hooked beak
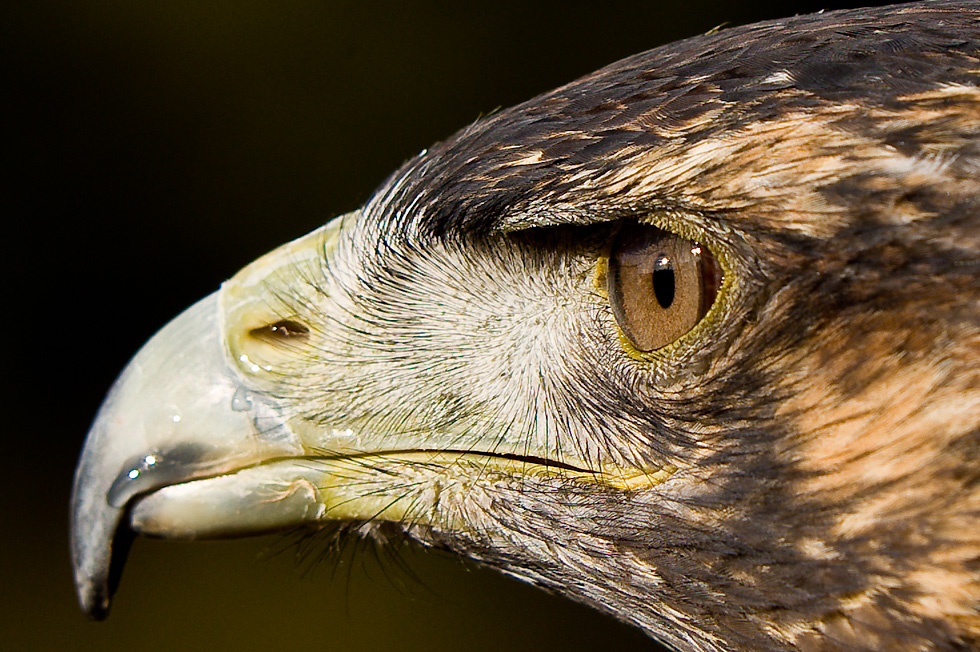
{"type": "Point", "coordinates": [177, 390]}
{"type": "Point", "coordinates": [185, 409]}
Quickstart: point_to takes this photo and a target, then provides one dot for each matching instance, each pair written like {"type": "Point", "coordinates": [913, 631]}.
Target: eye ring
{"type": "Point", "coordinates": [660, 284]}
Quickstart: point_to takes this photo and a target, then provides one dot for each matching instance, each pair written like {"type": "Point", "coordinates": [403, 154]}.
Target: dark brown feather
{"type": "Point", "coordinates": [838, 156]}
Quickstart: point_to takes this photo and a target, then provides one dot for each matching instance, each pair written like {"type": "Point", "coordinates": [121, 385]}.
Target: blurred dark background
{"type": "Point", "coordinates": [152, 149]}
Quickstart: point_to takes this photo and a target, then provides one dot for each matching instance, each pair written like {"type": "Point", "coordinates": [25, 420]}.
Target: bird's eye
{"type": "Point", "coordinates": [660, 284]}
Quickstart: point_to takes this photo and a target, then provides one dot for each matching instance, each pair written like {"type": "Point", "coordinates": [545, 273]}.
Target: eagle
{"type": "Point", "coordinates": [694, 340]}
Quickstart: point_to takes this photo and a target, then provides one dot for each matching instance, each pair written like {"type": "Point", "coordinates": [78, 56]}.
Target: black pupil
{"type": "Point", "coordinates": [663, 281]}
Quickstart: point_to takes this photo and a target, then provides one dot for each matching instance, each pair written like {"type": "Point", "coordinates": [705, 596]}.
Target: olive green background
{"type": "Point", "coordinates": [153, 148]}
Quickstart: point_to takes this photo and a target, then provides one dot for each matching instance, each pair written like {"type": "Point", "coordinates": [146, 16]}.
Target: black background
{"type": "Point", "coordinates": [152, 149]}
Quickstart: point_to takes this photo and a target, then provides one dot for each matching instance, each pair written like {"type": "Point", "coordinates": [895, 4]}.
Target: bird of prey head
{"type": "Point", "coordinates": [694, 339]}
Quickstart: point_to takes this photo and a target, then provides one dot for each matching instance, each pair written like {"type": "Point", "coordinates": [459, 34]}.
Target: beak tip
{"type": "Point", "coordinates": [97, 571]}
{"type": "Point", "coordinates": [94, 601]}
{"type": "Point", "coordinates": [100, 543]}
{"type": "Point", "coordinates": [91, 586]}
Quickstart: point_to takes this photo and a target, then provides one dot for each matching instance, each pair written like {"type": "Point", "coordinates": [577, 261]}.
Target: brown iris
{"type": "Point", "coordinates": [660, 284]}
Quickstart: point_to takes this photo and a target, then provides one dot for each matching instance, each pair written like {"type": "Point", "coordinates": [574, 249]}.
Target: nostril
{"type": "Point", "coordinates": [267, 351]}
{"type": "Point", "coordinates": [285, 331]}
